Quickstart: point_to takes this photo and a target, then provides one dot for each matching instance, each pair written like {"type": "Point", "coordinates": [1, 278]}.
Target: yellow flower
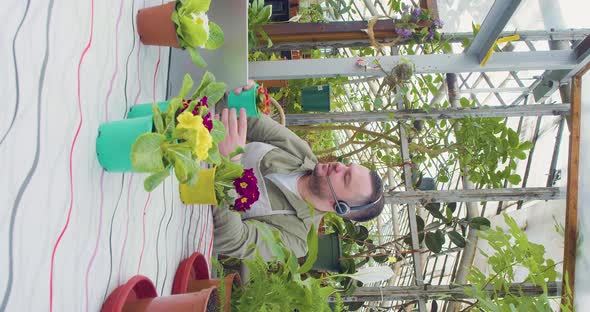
{"type": "Point", "coordinates": [204, 140]}
{"type": "Point", "coordinates": [391, 260]}
{"type": "Point", "coordinates": [187, 120]}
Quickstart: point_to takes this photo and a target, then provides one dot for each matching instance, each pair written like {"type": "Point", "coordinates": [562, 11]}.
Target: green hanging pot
{"type": "Point", "coordinates": [115, 139]}
{"type": "Point", "coordinates": [329, 253]}
{"type": "Point", "coordinates": [202, 192]}
{"type": "Point", "coordinates": [246, 100]}
{"type": "Point", "coordinates": [316, 98]}
{"type": "Point", "coordinates": [142, 110]}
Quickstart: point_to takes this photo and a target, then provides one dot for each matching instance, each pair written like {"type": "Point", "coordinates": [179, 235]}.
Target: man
{"type": "Point", "coordinates": [289, 176]}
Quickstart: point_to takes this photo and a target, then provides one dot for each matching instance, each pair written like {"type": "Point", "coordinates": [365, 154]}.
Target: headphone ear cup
{"type": "Point", "coordinates": [341, 207]}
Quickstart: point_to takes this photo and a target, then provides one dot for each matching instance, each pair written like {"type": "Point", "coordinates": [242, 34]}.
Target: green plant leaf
{"type": "Point", "coordinates": [207, 79]}
{"type": "Point", "coordinates": [228, 171]}
{"type": "Point", "coordinates": [480, 223]}
{"type": "Point", "coordinates": [146, 153]}
{"type": "Point", "coordinates": [216, 37]}
{"type": "Point", "coordinates": [266, 38]}
{"type": "Point", "coordinates": [526, 145]}
{"type": "Point", "coordinates": [214, 155]}
{"type": "Point", "coordinates": [214, 92]}
{"type": "Point", "coordinates": [193, 34]}
{"type": "Point", "coordinates": [158, 122]}
{"type": "Point", "coordinates": [361, 233]}
{"type": "Point", "coordinates": [456, 238]}
{"type": "Point", "coordinates": [267, 235]}
{"type": "Point", "coordinates": [312, 254]}
{"type": "Point", "coordinates": [420, 223]}
{"type": "Point", "coordinates": [187, 85]}
{"type": "Point", "coordinates": [195, 6]}
{"type": "Point", "coordinates": [434, 242]}
{"type": "Point", "coordinates": [434, 209]}
{"type": "Point", "coordinates": [514, 179]}
{"type": "Point", "coordinates": [196, 57]}
{"type": "Point", "coordinates": [264, 15]}
{"type": "Point", "coordinates": [239, 150]}
{"type": "Point", "coordinates": [184, 165]}
{"type": "Point", "coordinates": [218, 131]}
{"type": "Point", "coordinates": [151, 182]}
{"type": "Point", "coordinates": [520, 154]}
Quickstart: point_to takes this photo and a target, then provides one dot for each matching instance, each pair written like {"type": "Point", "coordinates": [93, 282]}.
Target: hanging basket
{"type": "Point", "coordinates": [115, 140]}
{"type": "Point", "coordinates": [202, 192]}
{"type": "Point", "coordinates": [142, 110]}
{"type": "Point", "coordinates": [155, 26]}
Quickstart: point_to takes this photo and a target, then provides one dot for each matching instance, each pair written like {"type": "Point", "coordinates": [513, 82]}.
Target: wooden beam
{"type": "Point", "coordinates": [479, 195]}
{"type": "Point", "coordinates": [293, 37]}
{"type": "Point", "coordinates": [571, 213]}
{"type": "Point", "coordinates": [449, 113]}
{"type": "Point", "coordinates": [321, 32]}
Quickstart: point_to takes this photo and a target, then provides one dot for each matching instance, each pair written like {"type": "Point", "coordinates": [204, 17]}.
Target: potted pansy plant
{"type": "Point", "coordinates": [180, 24]}
{"type": "Point", "coordinates": [185, 135]}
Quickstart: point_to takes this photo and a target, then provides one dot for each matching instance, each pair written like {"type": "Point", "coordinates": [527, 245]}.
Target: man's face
{"type": "Point", "coordinates": [351, 183]}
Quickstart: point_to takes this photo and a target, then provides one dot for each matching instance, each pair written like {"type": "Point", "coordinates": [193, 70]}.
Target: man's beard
{"type": "Point", "coordinates": [318, 186]}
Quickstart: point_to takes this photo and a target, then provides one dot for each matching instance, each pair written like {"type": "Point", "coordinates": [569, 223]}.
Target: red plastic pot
{"type": "Point", "coordinates": [192, 275]}
{"type": "Point", "coordinates": [140, 295]}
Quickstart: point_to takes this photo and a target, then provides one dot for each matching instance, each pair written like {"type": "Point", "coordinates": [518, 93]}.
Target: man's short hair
{"type": "Point", "coordinates": [375, 210]}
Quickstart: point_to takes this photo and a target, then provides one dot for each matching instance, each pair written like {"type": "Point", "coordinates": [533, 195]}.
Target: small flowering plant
{"type": "Point", "coordinates": [416, 23]}
{"type": "Point", "coordinates": [235, 187]}
{"type": "Point", "coordinates": [184, 135]}
{"type": "Point", "coordinates": [194, 29]}
{"type": "Point", "coordinates": [412, 25]}
{"type": "Point", "coordinates": [263, 100]}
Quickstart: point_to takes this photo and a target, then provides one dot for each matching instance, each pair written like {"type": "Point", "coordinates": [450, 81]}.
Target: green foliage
{"type": "Point", "coordinates": [194, 29]}
{"type": "Point", "coordinates": [258, 16]}
{"type": "Point", "coordinates": [486, 146]}
{"type": "Point", "coordinates": [171, 147]}
{"type": "Point", "coordinates": [512, 250]}
{"type": "Point", "coordinates": [278, 285]}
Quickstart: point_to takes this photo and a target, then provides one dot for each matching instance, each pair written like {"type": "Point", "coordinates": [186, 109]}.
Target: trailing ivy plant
{"type": "Point", "coordinates": [487, 146]}
{"type": "Point", "coordinates": [510, 251]}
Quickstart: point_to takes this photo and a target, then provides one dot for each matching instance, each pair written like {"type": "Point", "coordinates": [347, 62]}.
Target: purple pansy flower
{"type": "Point", "coordinates": [438, 23]}
{"type": "Point", "coordinates": [404, 33]}
{"type": "Point", "coordinates": [246, 184]}
{"type": "Point", "coordinates": [417, 11]}
{"type": "Point", "coordinates": [243, 204]}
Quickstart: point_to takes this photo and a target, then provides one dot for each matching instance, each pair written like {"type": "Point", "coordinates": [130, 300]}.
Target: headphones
{"type": "Point", "coordinates": [341, 207]}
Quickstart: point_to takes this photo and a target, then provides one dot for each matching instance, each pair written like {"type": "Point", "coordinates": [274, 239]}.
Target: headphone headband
{"type": "Point", "coordinates": [341, 207]}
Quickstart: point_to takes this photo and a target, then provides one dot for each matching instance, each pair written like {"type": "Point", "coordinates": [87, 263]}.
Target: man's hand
{"type": "Point", "coordinates": [251, 83]}
{"type": "Point", "coordinates": [235, 128]}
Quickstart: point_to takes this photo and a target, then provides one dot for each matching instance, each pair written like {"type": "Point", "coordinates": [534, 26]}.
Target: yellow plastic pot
{"type": "Point", "coordinates": [202, 192]}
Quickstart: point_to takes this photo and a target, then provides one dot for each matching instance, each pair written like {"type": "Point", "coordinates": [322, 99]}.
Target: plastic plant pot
{"type": "Point", "coordinates": [142, 110]}
{"type": "Point", "coordinates": [192, 268]}
{"type": "Point", "coordinates": [155, 26]}
{"type": "Point", "coordinates": [115, 139]}
{"type": "Point", "coordinates": [316, 98]}
{"type": "Point", "coordinates": [329, 253]}
{"type": "Point", "coordinates": [246, 100]}
{"type": "Point", "coordinates": [202, 192]}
